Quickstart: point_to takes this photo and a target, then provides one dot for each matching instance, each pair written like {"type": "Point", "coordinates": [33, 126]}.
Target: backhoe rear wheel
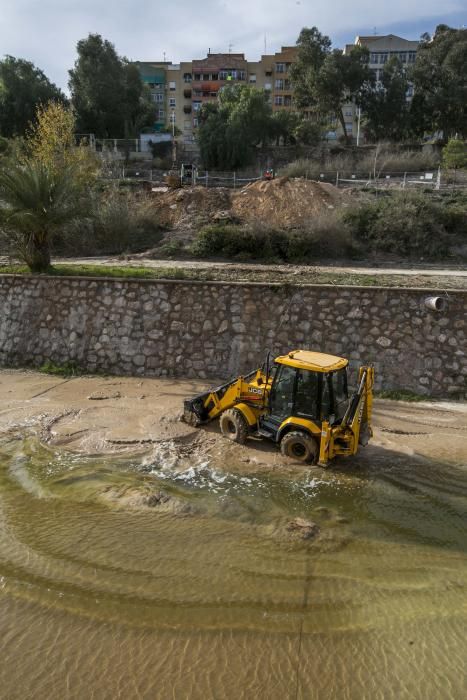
{"type": "Point", "coordinates": [234, 426]}
{"type": "Point", "coordinates": [300, 446]}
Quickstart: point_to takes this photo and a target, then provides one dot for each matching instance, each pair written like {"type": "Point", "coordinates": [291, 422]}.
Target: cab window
{"type": "Point", "coordinates": [281, 397]}
{"type": "Point", "coordinates": [339, 387]}
{"type": "Point", "coordinates": [306, 397]}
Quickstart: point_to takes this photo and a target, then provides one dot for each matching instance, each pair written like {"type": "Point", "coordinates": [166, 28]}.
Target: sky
{"type": "Point", "coordinates": [46, 31]}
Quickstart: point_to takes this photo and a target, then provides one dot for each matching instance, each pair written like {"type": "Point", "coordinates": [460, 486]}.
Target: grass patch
{"type": "Point", "coordinates": [117, 271]}
{"type": "Point", "coordinates": [401, 395]}
{"type": "Point", "coordinates": [67, 369]}
{"type": "Point", "coordinates": [282, 275]}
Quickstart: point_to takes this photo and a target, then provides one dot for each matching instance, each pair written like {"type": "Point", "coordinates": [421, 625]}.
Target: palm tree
{"type": "Point", "coordinates": [34, 204]}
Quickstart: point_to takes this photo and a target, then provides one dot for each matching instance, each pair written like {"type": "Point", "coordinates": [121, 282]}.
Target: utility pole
{"type": "Point", "coordinates": [359, 117]}
{"type": "Point", "coordinates": [174, 145]}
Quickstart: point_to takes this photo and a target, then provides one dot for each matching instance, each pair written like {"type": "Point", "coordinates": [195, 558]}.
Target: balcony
{"type": "Point", "coordinates": [187, 94]}
{"type": "Point", "coordinates": [187, 109]}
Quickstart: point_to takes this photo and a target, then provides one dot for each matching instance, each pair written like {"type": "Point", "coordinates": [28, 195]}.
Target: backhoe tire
{"type": "Point", "coordinates": [300, 446]}
{"type": "Point", "coordinates": [234, 426]}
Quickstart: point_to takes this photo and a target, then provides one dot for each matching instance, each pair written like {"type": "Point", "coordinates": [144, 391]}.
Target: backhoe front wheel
{"type": "Point", "coordinates": [300, 446]}
{"type": "Point", "coordinates": [234, 426]}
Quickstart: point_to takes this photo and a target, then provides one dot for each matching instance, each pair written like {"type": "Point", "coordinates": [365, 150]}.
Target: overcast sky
{"type": "Point", "coordinates": [46, 31]}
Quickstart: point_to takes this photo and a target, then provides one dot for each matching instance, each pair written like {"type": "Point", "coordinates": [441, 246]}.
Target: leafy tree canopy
{"type": "Point", "coordinates": [440, 81]}
{"type": "Point", "coordinates": [325, 80]}
{"type": "Point", "coordinates": [53, 144]}
{"type": "Point", "coordinates": [230, 129]}
{"type": "Point", "coordinates": [108, 95]}
{"type": "Point", "coordinates": [23, 87]}
{"type": "Point", "coordinates": [455, 154]}
{"type": "Point", "coordinates": [385, 104]}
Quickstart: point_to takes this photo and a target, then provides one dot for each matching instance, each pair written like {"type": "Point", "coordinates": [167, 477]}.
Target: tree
{"type": "Point", "coordinates": [385, 106]}
{"type": "Point", "coordinates": [325, 80]}
{"type": "Point", "coordinates": [35, 203]}
{"type": "Point", "coordinates": [108, 95]}
{"type": "Point", "coordinates": [23, 87]}
{"type": "Point", "coordinates": [455, 154]}
{"type": "Point", "coordinates": [231, 129]}
{"type": "Point", "coordinates": [440, 82]}
{"type": "Point", "coordinates": [284, 125]}
{"type": "Point", "coordinates": [52, 143]}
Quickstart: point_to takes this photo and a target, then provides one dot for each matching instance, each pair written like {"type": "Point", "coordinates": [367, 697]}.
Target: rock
{"type": "Point", "coordinates": [304, 529]}
{"type": "Point", "coordinates": [102, 396]}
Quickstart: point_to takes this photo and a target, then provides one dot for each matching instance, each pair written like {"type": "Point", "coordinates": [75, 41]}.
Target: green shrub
{"type": "Point", "coordinates": [117, 222]}
{"type": "Point", "coordinates": [406, 223]}
{"type": "Point", "coordinates": [324, 236]}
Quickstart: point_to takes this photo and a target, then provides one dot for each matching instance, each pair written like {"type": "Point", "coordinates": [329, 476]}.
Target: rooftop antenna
{"type": "Point", "coordinates": [164, 56]}
{"type": "Point", "coordinates": [230, 47]}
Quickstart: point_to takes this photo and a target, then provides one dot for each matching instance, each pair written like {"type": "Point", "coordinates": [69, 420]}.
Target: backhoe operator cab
{"type": "Point", "coordinates": [301, 403]}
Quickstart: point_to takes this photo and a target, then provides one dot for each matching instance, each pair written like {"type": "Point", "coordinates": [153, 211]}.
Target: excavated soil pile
{"type": "Point", "coordinates": [191, 207]}
{"type": "Point", "coordinates": [285, 202]}
{"type": "Point", "coordinates": [282, 203]}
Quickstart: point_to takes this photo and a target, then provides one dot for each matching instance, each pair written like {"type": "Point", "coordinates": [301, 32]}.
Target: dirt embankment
{"type": "Point", "coordinates": [281, 203]}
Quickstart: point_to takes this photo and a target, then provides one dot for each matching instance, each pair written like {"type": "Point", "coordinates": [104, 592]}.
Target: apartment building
{"type": "Point", "coordinates": [180, 90]}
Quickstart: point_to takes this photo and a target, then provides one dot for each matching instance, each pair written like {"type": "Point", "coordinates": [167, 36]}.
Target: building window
{"type": "Point", "coordinates": [197, 76]}
{"type": "Point", "coordinates": [374, 58]}
{"type": "Point", "coordinates": [383, 57]}
{"type": "Point", "coordinates": [348, 113]}
{"type": "Point", "coordinates": [278, 100]}
{"type": "Point", "coordinates": [195, 122]}
{"type": "Point", "coordinates": [279, 84]}
{"type": "Point", "coordinates": [349, 128]}
{"type": "Point", "coordinates": [268, 86]}
{"type": "Point", "coordinates": [214, 76]}
{"type": "Point", "coordinates": [172, 86]}
{"type": "Point", "coordinates": [287, 100]}
{"type": "Point", "coordinates": [161, 114]}
{"type": "Point", "coordinates": [223, 75]}
{"type": "Point", "coordinates": [409, 92]}
{"type": "Point", "coordinates": [412, 56]}
{"type": "Point", "coordinates": [187, 77]}
{"type": "Point", "coordinates": [403, 57]}
{"type": "Point", "coordinates": [196, 106]}
{"type": "Point", "coordinates": [172, 102]}
{"type": "Point", "coordinates": [280, 67]}
{"type": "Point", "coordinates": [252, 78]}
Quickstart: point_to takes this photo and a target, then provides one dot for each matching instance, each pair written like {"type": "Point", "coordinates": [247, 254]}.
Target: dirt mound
{"type": "Point", "coordinates": [191, 207]}
{"type": "Point", "coordinates": [285, 202]}
{"type": "Point", "coordinates": [282, 203]}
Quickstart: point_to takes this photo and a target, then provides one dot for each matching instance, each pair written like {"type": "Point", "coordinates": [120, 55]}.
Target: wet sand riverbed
{"type": "Point", "coordinates": [142, 558]}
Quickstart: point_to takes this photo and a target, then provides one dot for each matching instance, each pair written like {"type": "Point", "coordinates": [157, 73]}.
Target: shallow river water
{"type": "Point", "coordinates": [105, 595]}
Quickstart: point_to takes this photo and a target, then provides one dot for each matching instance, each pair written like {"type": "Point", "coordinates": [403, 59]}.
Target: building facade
{"type": "Point", "coordinates": [180, 90]}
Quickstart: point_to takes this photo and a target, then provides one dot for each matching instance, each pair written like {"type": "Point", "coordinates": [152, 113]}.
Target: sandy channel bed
{"type": "Point", "coordinates": [119, 415]}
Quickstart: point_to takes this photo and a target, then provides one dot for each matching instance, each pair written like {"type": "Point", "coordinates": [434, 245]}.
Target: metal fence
{"type": "Point", "coordinates": [432, 180]}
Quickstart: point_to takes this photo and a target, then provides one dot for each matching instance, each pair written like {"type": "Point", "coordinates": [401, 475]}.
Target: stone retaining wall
{"type": "Point", "coordinates": [201, 329]}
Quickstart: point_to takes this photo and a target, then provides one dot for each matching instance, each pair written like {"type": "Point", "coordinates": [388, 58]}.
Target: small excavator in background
{"type": "Point", "coordinates": [300, 402]}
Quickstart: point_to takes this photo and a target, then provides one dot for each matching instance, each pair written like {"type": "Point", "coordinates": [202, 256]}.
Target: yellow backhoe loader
{"type": "Point", "coordinates": [300, 402]}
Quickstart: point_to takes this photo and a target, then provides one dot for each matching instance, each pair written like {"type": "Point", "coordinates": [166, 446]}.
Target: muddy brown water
{"type": "Point", "coordinates": [105, 593]}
